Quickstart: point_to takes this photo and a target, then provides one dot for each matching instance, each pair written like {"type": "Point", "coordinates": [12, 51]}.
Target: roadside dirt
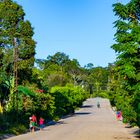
{"type": "Point", "coordinates": [88, 123]}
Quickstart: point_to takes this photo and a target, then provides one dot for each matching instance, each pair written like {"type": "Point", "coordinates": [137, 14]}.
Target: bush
{"type": "Point", "coordinates": [67, 99]}
{"type": "Point", "coordinates": [101, 94]}
{"type": "Point", "coordinates": [17, 129]}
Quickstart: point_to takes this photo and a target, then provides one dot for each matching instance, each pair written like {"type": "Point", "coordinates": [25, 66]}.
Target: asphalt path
{"type": "Point", "coordinates": [88, 123]}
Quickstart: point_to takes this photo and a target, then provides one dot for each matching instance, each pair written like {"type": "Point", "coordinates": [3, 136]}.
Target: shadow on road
{"type": "Point", "coordinates": [6, 136]}
{"type": "Point", "coordinates": [82, 113]}
{"type": "Point", "coordinates": [87, 106]}
{"type": "Point", "coordinates": [136, 133]}
{"type": "Point", "coordinates": [55, 123]}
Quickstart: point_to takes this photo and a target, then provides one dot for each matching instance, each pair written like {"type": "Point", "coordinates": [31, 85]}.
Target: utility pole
{"type": "Point", "coordinates": [15, 71]}
{"type": "Point", "coordinates": [15, 68]}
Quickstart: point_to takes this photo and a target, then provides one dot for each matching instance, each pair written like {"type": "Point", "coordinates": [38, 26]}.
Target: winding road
{"type": "Point", "coordinates": [88, 123]}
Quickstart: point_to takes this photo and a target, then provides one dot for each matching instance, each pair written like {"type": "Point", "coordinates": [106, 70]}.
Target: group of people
{"type": "Point", "coordinates": [33, 123]}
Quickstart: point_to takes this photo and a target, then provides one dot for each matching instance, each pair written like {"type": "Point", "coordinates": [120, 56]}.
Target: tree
{"type": "Point", "coordinates": [16, 47]}
{"type": "Point", "coordinates": [59, 69]}
{"type": "Point", "coordinates": [52, 69]}
{"type": "Point", "coordinates": [89, 66]}
{"type": "Point", "coordinates": [75, 72]}
{"type": "Point", "coordinates": [127, 47]}
{"type": "Point", "coordinates": [58, 58]}
{"type": "Point", "coordinates": [97, 79]}
{"type": "Point", "coordinates": [14, 30]}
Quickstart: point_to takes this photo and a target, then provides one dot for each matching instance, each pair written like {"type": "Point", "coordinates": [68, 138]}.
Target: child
{"type": "Point", "coordinates": [41, 123]}
{"type": "Point", "coordinates": [31, 124]}
{"type": "Point", "coordinates": [119, 115]}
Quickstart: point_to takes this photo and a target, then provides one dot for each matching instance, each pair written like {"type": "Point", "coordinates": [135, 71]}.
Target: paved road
{"type": "Point", "coordinates": [88, 123]}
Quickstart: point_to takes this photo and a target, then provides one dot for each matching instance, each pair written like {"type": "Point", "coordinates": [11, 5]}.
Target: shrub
{"type": "Point", "coordinates": [17, 129]}
{"type": "Point", "coordinates": [101, 94]}
{"type": "Point", "coordinates": [67, 99]}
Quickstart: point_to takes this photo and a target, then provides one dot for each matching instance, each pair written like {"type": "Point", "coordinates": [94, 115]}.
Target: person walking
{"type": "Point", "coordinates": [34, 122]}
{"type": "Point", "coordinates": [41, 123]}
{"type": "Point", "coordinates": [31, 125]}
{"type": "Point", "coordinates": [98, 104]}
{"type": "Point", "coordinates": [34, 118]}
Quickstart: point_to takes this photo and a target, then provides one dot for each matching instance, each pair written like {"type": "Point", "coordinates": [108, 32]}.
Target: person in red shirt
{"type": "Point", "coordinates": [41, 123]}
{"type": "Point", "coordinates": [34, 118]}
{"type": "Point", "coordinates": [34, 122]}
{"type": "Point", "coordinates": [119, 115]}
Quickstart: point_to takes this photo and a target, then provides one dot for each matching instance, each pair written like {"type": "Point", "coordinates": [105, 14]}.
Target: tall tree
{"type": "Point", "coordinates": [15, 31]}
{"type": "Point", "coordinates": [58, 58]}
{"type": "Point", "coordinates": [17, 49]}
{"type": "Point", "coordinates": [127, 47]}
{"type": "Point", "coordinates": [52, 69]}
{"type": "Point", "coordinates": [59, 69]}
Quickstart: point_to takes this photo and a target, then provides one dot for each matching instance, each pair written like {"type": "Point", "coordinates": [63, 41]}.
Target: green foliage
{"type": "Point", "coordinates": [124, 91]}
{"type": "Point", "coordinates": [25, 91]}
{"type": "Point", "coordinates": [32, 99]}
{"type": "Point", "coordinates": [57, 78]}
{"type": "Point", "coordinates": [16, 32]}
{"type": "Point", "coordinates": [1, 109]}
{"type": "Point", "coordinates": [59, 59]}
{"type": "Point", "coordinates": [96, 78]}
{"type": "Point", "coordinates": [17, 129]}
{"type": "Point", "coordinates": [58, 85]}
{"type": "Point", "coordinates": [58, 70]}
{"type": "Point", "coordinates": [136, 104]}
{"type": "Point", "coordinates": [67, 99]}
{"type": "Point", "coordinates": [102, 94]}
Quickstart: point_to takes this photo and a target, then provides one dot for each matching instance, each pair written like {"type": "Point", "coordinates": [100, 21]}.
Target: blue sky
{"type": "Point", "coordinates": [82, 29]}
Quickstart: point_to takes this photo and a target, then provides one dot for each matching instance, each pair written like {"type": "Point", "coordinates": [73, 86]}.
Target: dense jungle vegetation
{"type": "Point", "coordinates": [56, 86]}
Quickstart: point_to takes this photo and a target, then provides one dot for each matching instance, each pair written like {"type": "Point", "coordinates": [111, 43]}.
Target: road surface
{"type": "Point", "coordinates": [88, 123]}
